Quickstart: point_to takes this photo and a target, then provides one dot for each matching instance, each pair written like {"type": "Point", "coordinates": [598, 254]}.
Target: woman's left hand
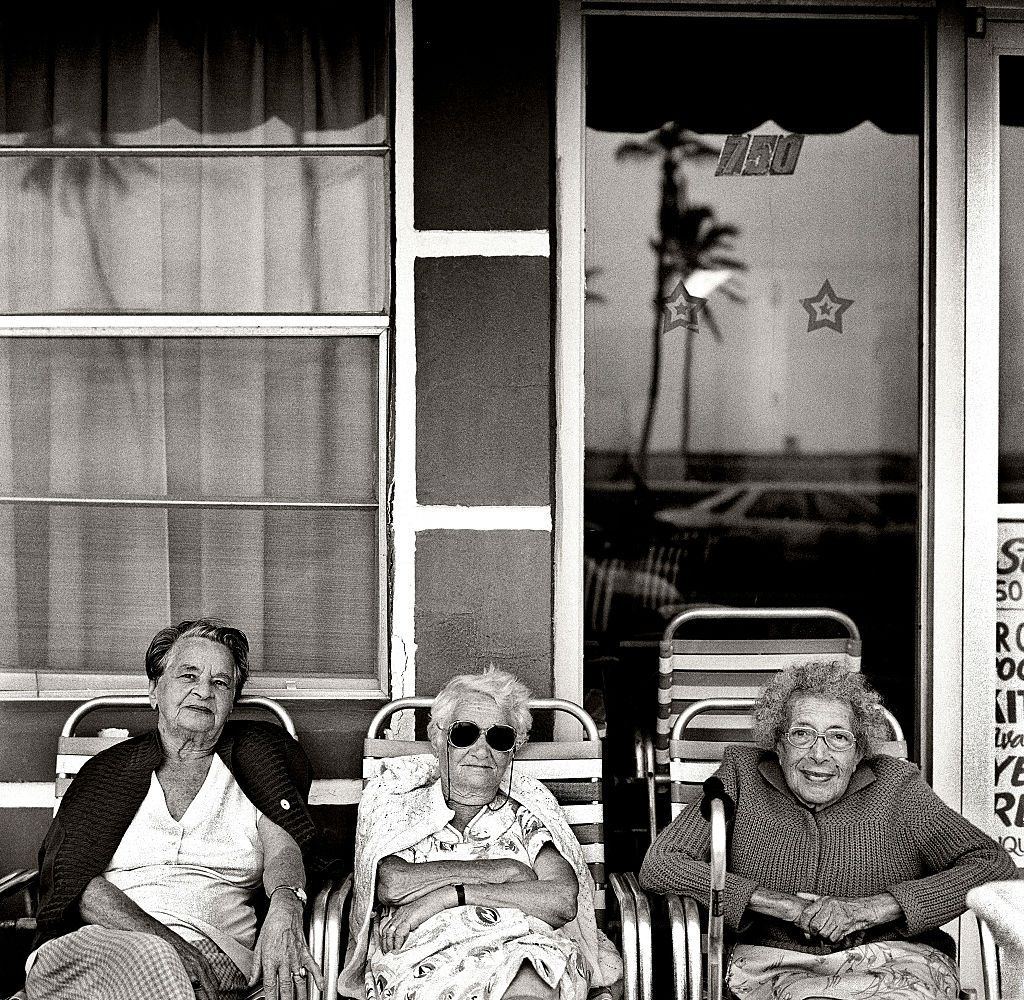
{"type": "Point", "coordinates": [396, 927]}
{"type": "Point", "coordinates": [282, 960]}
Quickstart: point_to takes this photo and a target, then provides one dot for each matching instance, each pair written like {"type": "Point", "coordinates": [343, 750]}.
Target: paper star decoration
{"type": "Point", "coordinates": [825, 310]}
{"type": "Point", "coordinates": [681, 310]}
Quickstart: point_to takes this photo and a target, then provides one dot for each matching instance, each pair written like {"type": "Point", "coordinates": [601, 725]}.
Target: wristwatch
{"type": "Point", "coordinates": [297, 889]}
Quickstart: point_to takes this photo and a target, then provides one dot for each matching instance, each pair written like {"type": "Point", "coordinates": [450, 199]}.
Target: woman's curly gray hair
{"type": "Point", "coordinates": [830, 679]}
{"type": "Point", "coordinates": [510, 695]}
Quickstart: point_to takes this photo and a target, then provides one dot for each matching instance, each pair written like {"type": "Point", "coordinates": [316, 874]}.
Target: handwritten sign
{"type": "Point", "coordinates": [759, 155]}
{"type": "Point", "coordinates": [1008, 718]}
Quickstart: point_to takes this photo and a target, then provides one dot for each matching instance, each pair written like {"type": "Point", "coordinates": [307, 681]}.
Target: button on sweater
{"type": "Point", "coordinates": [888, 832]}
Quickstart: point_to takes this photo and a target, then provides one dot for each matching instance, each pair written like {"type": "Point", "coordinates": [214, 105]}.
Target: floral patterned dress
{"type": "Point", "coordinates": [893, 970]}
{"type": "Point", "coordinates": [474, 952]}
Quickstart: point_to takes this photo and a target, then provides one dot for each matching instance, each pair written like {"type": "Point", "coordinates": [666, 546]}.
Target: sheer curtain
{"type": "Point", "coordinates": [237, 426]}
{"type": "Point", "coordinates": [187, 234]}
{"type": "Point", "coordinates": [85, 587]}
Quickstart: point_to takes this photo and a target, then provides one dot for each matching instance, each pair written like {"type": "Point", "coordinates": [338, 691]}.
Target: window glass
{"type": "Point", "coordinates": [831, 506]}
{"type": "Point", "coordinates": [775, 227]}
{"type": "Point", "coordinates": [731, 498]}
{"type": "Point", "coordinates": [215, 418]}
{"type": "Point", "coordinates": [308, 74]}
{"type": "Point", "coordinates": [147, 480]}
{"type": "Point", "coordinates": [778, 504]}
{"type": "Point", "coordinates": [157, 232]}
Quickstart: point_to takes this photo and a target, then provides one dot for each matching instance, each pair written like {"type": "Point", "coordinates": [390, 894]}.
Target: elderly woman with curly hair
{"type": "Point", "coordinates": [468, 879]}
{"type": "Point", "coordinates": [843, 864]}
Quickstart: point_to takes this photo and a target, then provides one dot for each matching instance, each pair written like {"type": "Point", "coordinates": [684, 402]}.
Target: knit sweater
{"type": "Point", "coordinates": [269, 766]}
{"type": "Point", "coordinates": [888, 832]}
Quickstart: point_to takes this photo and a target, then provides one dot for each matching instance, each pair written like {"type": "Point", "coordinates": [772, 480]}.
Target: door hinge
{"type": "Point", "coordinates": [976, 22]}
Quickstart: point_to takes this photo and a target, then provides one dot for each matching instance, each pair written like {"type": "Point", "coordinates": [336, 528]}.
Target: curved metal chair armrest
{"type": "Point", "coordinates": [630, 936]}
{"type": "Point", "coordinates": [716, 921]}
{"type": "Point", "coordinates": [317, 929]}
{"type": "Point", "coordinates": [643, 752]}
{"type": "Point", "coordinates": [17, 881]}
{"type": "Point", "coordinates": [644, 936]}
{"type": "Point", "coordinates": [25, 882]}
{"type": "Point", "coordinates": [991, 973]}
{"type": "Point", "coordinates": [333, 956]}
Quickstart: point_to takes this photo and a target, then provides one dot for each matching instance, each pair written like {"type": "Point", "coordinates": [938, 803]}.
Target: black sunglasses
{"type": "Point", "coordinates": [464, 734]}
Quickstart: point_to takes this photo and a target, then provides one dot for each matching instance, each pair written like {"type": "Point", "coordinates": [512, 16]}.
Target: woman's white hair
{"type": "Point", "coordinates": [510, 695]}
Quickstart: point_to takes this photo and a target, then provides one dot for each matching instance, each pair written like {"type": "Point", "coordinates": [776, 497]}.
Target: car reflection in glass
{"type": "Point", "coordinates": [795, 520]}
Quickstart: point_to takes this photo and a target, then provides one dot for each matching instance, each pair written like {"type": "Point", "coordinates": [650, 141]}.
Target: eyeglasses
{"type": "Point", "coordinates": [836, 739]}
{"type": "Point", "coordinates": [464, 734]}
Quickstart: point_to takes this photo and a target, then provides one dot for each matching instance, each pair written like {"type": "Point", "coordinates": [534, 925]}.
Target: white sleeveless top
{"type": "Point", "coordinates": [198, 874]}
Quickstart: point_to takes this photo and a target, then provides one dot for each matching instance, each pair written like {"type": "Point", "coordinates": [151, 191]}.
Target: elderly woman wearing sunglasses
{"type": "Point", "coordinates": [468, 880]}
{"type": "Point", "coordinates": [842, 863]}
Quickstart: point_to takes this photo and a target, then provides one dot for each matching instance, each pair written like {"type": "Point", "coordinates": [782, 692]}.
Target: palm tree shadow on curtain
{"type": "Point", "coordinates": [690, 239]}
{"type": "Point", "coordinates": [76, 184]}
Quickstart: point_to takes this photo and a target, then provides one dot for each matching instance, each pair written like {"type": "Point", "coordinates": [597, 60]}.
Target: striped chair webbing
{"type": "Point", "coordinates": [692, 762]}
{"type": "Point", "coordinates": [72, 754]}
{"type": "Point", "coordinates": [690, 670]}
{"type": "Point", "coordinates": [73, 751]}
{"type": "Point", "coordinates": [570, 771]}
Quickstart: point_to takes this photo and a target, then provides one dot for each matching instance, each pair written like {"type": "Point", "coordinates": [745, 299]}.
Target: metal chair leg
{"type": "Point", "coordinates": [680, 966]}
{"type": "Point", "coordinates": [694, 969]}
{"type": "Point", "coordinates": [645, 946]}
{"type": "Point", "coordinates": [332, 938]}
{"type": "Point", "coordinates": [317, 926]}
{"type": "Point", "coordinates": [630, 945]}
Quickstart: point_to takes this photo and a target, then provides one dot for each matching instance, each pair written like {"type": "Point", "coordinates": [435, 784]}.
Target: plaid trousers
{"type": "Point", "coordinates": [95, 963]}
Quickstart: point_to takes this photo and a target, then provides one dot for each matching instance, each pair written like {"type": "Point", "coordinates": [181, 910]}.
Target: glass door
{"type": "Point", "coordinates": [753, 326]}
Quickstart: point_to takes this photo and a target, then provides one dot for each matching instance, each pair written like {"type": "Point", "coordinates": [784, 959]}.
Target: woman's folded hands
{"type": "Point", "coordinates": [836, 918]}
{"type": "Point", "coordinates": [833, 918]}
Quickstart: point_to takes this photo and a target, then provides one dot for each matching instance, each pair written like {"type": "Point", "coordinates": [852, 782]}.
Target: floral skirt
{"type": "Point", "coordinates": [896, 970]}
{"type": "Point", "coordinates": [473, 953]}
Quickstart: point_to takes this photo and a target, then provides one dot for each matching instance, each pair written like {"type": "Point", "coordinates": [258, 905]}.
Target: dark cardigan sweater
{"type": "Point", "coordinates": [889, 832]}
{"type": "Point", "coordinates": [269, 766]}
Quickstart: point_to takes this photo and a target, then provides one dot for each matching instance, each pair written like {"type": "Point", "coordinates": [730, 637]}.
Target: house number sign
{"type": "Point", "coordinates": [759, 155]}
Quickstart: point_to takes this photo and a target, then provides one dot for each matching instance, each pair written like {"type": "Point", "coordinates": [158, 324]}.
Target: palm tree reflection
{"type": "Point", "coordinates": [692, 248]}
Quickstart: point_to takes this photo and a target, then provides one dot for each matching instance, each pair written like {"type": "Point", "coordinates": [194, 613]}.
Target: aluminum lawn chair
{"type": "Point", "coordinates": [572, 771]}
{"type": "Point", "coordinates": [692, 669]}
{"type": "Point", "coordinates": [19, 889]}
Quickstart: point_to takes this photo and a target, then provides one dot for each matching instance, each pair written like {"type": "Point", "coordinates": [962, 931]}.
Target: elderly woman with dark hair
{"type": "Point", "coordinates": [843, 864]}
{"type": "Point", "coordinates": [468, 879]}
{"type": "Point", "coordinates": [150, 868]}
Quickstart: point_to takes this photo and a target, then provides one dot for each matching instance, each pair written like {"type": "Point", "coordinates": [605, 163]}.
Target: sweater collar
{"type": "Point", "coordinates": [771, 771]}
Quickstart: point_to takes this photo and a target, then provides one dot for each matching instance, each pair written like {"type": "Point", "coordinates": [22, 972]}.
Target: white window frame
{"type": "Point", "coordinates": [47, 685]}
